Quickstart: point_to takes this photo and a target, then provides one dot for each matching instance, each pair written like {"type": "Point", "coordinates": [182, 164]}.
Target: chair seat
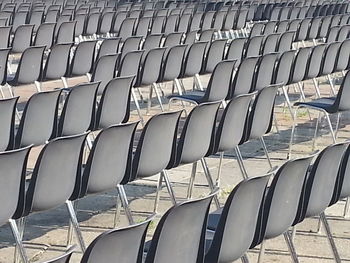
{"type": "Point", "coordinates": [196, 96]}
{"type": "Point", "coordinates": [326, 104]}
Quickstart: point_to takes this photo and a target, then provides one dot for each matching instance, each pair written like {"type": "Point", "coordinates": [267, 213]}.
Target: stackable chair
{"type": "Point", "coordinates": [114, 105]}
{"type": "Point", "coordinates": [131, 43]}
{"type": "Point", "coordinates": [108, 162]}
{"type": "Point", "coordinates": [65, 32]}
{"type": "Point", "coordinates": [4, 55]}
{"type": "Point", "coordinates": [236, 222]}
{"type": "Point", "coordinates": [327, 106]}
{"type": "Point", "coordinates": [13, 172]}
{"type": "Point", "coordinates": [195, 141]}
{"type": "Point", "coordinates": [236, 50]}
{"type": "Point", "coordinates": [180, 234]}
{"type": "Point", "coordinates": [45, 35]}
{"type": "Point", "coordinates": [155, 151]}
{"type": "Point", "coordinates": [108, 46]}
{"type": "Point", "coordinates": [125, 243]}
{"type": "Point", "coordinates": [320, 187]}
{"type": "Point", "coordinates": [22, 39]}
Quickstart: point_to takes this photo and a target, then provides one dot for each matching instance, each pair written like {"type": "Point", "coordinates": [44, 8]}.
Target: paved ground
{"type": "Point", "coordinates": [45, 233]}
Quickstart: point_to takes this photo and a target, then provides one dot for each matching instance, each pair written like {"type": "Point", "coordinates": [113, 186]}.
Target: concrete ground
{"type": "Point", "coordinates": [45, 233]}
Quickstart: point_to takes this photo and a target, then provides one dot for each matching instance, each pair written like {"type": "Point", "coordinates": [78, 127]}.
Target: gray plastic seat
{"type": "Point", "coordinates": [104, 70]}
{"type": "Point", "coordinates": [125, 243]}
{"type": "Point", "coordinates": [294, 25]}
{"type": "Point", "coordinates": [325, 25]}
{"type": "Point", "coordinates": [314, 29]}
{"type": "Point", "coordinates": [143, 25]}
{"type": "Point", "coordinates": [22, 38]}
{"type": "Point", "coordinates": [131, 44]}
{"type": "Point", "coordinates": [170, 25]}
{"type": "Point", "coordinates": [92, 23]}
{"type": "Point", "coordinates": [158, 24]}
{"type": "Point", "coordinates": [265, 71]}
{"type": "Point", "coordinates": [196, 21]}
{"type": "Point", "coordinates": [207, 20]}
{"type": "Point", "coordinates": [127, 28]}
{"type": "Point", "coordinates": [37, 126]}
{"type": "Point", "coordinates": [191, 37]}
{"type": "Point", "coordinates": [114, 105]}
{"type": "Point", "coordinates": [244, 77]}
{"type": "Point", "coordinates": [61, 19]}
{"type": "Point", "coordinates": [78, 113]}
{"type": "Point", "coordinates": [105, 23]}
{"type": "Point", "coordinates": [236, 222]}
{"type": "Point", "coordinates": [236, 50]}
{"type": "Point", "coordinates": [215, 54]}
{"type": "Point", "coordinates": [66, 32]}
{"type": "Point", "coordinates": [188, 218]}
{"type": "Point", "coordinates": [4, 55]}
{"type": "Point", "coordinates": [329, 62]}
{"type": "Point", "coordinates": [57, 62]}
{"type": "Point", "coordinates": [282, 26]}
{"type": "Point", "coordinates": [36, 18]}
{"type": "Point", "coordinates": [156, 149]}
{"type": "Point", "coordinates": [7, 117]}
{"type": "Point", "coordinates": [342, 61]}
{"type": "Point", "coordinates": [257, 30]}
{"type": "Point", "coordinates": [184, 23]}
{"type": "Point", "coordinates": [29, 68]}
{"type": "Point", "coordinates": [173, 39]}
{"type": "Point", "coordinates": [270, 43]}
{"type": "Point", "coordinates": [19, 18]}
{"type": "Point", "coordinates": [254, 46]}
{"type": "Point", "coordinates": [344, 32]}
{"type": "Point", "coordinates": [61, 178]}
{"type": "Point", "coordinates": [271, 27]}
{"type": "Point", "coordinates": [51, 16]}
{"type": "Point", "coordinates": [12, 176]}
{"type": "Point", "coordinates": [285, 42]}
{"type": "Point", "coordinates": [219, 85]}
{"type": "Point", "coordinates": [108, 46]}
{"type": "Point", "coordinates": [45, 35]}
{"type": "Point", "coordinates": [151, 41]}
{"type": "Point", "coordinates": [303, 29]}
{"type": "Point", "coordinates": [118, 19]}
{"type": "Point", "coordinates": [80, 25]}
{"type": "Point", "coordinates": [130, 64]}
{"type": "Point", "coordinates": [5, 32]}
{"type": "Point", "coordinates": [207, 35]}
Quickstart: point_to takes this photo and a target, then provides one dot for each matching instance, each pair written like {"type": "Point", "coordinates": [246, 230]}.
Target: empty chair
{"type": "Point", "coordinates": [29, 68]}
{"type": "Point", "coordinates": [260, 118]}
{"type": "Point", "coordinates": [7, 117]}
{"type": "Point", "coordinates": [333, 34]}
{"type": "Point", "coordinates": [303, 29]}
{"type": "Point", "coordinates": [191, 37]}
{"type": "Point", "coordinates": [45, 35]}
{"type": "Point", "coordinates": [80, 25]}
{"type": "Point", "coordinates": [118, 19]}
{"type": "Point", "coordinates": [128, 244]}
{"type": "Point", "coordinates": [127, 28]}
{"type": "Point", "coordinates": [285, 42]}
{"type": "Point", "coordinates": [61, 19]}
{"type": "Point", "coordinates": [157, 142]}
{"type": "Point", "coordinates": [158, 24]}
{"type": "Point", "coordinates": [215, 54]}
{"type": "Point", "coordinates": [327, 106]}
{"type": "Point", "coordinates": [131, 44]}
{"type": "Point", "coordinates": [314, 29]}
{"type": "Point", "coordinates": [114, 105]}
{"type": "Point", "coordinates": [342, 61]}
{"type": "Point", "coordinates": [244, 77]}
{"type": "Point", "coordinates": [79, 105]}
{"type": "Point", "coordinates": [270, 27]}
{"type": "Point", "coordinates": [83, 60]}
{"type": "Point", "coordinates": [343, 33]}
{"type": "Point", "coordinates": [188, 217]}
{"type": "Point", "coordinates": [104, 70]}
{"type": "Point", "coordinates": [53, 172]}
{"type": "Point", "coordinates": [282, 26]}
{"type": "Point", "coordinates": [242, 21]}
{"type": "Point", "coordinates": [170, 25]}
{"type": "Point", "coordinates": [22, 38]}
{"type": "Point", "coordinates": [108, 46]}
{"type": "Point", "coordinates": [256, 30]}
{"type": "Point", "coordinates": [36, 18]}
{"type": "Point", "coordinates": [66, 32]}
{"type": "Point", "coordinates": [207, 35]}
{"type": "Point", "coordinates": [4, 54]}
{"type": "Point", "coordinates": [13, 175]}
{"type": "Point", "coordinates": [5, 32]}
{"type": "Point", "coordinates": [152, 41]}
{"type": "Point", "coordinates": [207, 20]}
{"type": "Point", "coordinates": [234, 226]}
{"type": "Point", "coordinates": [142, 28]}
{"type": "Point", "coordinates": [51, 16]}
{"type": "Point", "coordinates": [329, 62]}
{"type": "Point", "coordinates": [254, 46]}
{"type": "Point", "coordinates": [196, 21]}
{"type": "Point", "coordinates": [325, 25]}
{"type": "Point", "coordinates": [270, 44]}
{"type": "Point", "coordinates": [38, 126]}
{"type": "Point", "coordinates": [105, 23]}
{"type": "Point", "coordinates": [173, 39]}
{"type": "Point", "coordinates": [150, 72]}
{"type": "Point", "coordinates": [184, 23]}
{"type": "Point", "coordinates": [294, 25]}
{"type": "Point", "coordinates": [20, 18]}
{"type": "Point", "coordinates": [230, 23]}
{"type": "Point", "coordinates": [236, 50]}
{"type": "Point", "coordinates": [265, 71]}
{"type": "Point", "coordinates": [92, 23]}
{"type": "Point", "coordinates": [57, 62]}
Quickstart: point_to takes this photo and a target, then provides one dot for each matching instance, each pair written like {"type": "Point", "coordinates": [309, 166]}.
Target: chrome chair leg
{"type": "Point", "coordinates": [137, 106]}
{"type": "Point", "coordinates": [218, 177]}
{"type": "Point", "coordinates": [330, 127]}
{"type": "Point", "coordinates": [158, 96]}
{"type": "Point", "coordinates": [240, 163]}
{"type": "Point", "coordinates": [245, 258]}
{"type": "Point", "coordinates": [262, 252]}
{"type": "Point", "coordinates": [286, 97]}
{"type": "Point", "coordinates": [291, 248]}
{"type": "Point", "coordinates": [159, 188]}
{"type": "Point", "coordinates": [316, 130]}
{"type": "Point", "coordinates": [331, 84]}
{"type": "Point", "coordinates": [318, 93]}
{"type": "Point", "coordinates": [292, 134]}
{"type": "Point", "coordinates": [169, 187]}
{"type": "Point", "coordinates": [265, 150]}
{"type": "Point", "coordinates": [117, 210]}
{"type": "Point", "coordinates": [337, 125]}
{"type": "Point", "coordinates": [18, 240]}
{"type": "Point", "coordinates": [125, 203]}
{"type": "Point", "coordinates": [347, 208]}
{"type": "Point", "coordinates": [192, 178]}
{"type": "Point", "coordinates": [75, 223]}
{"type": "Point", "coordinates": [210, 181]}
{"type": "Point", "coordinates": [330, 238]}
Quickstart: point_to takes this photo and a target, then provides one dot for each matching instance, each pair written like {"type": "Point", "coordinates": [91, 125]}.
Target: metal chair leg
{"type": "Point", "coordinates": [285, 93]}
{"type": "Point", "coordinates": [275, 122]}
{"type": "Point", "coordinates": [192, 178]}
{"type": "Point", "coordinates": [75, 223]}
{"type": "Point", "coordinates": [198, 82]}
{"type": "Point", "coordinates": [70, 228]}
{"type": "Point", "coordinates": [318, 93]}
{"type": "Point", "coordinates": [169, 187]}
{"type": "Point", "coordinates": [219, 170]}
{"type": "Point", "coordinates": [292, 134]}
{"type": "Point", "coordinates": [20, 226]}
{"type": "Point", "coordinates": [291, 247]}
{"type": "Point", "coordinates": [265, 150]}
{"type": "Point", "coordinates": [330, 127]}
{"type": "Point", "coordinates": [117, 210]}
{"type": "Point", "coordinates": [137, 106]}
{"type": "Point", "coordinates": [262, 252]}
{"type": "Point", "coordinates": [245, 258]}
{"type": "Point", "coordinates": [159, 188]}
{"type": "Point", "coordinates": [158, 96]}
{"type": "Point", "coordinates": [125, 203]}
{"type": "Point", "coordinates": [347, 208]}
{"type": "Point", "coordinates": [337, 125]}
{"type": "Point", "coordinates": [330, 237]}
{"type": "Point", "coordinates": [331, 84]}
{"type": "Point", "coordinates": [37, 86]}
{"type": "Point", "coordinates": [316, 130]}
{"type": "Point", "coordinates": [18, 240]}
{"type": "Point", "coordinates": [240, 163]}
{"type": "Point", "coordinates": [210, 181]}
